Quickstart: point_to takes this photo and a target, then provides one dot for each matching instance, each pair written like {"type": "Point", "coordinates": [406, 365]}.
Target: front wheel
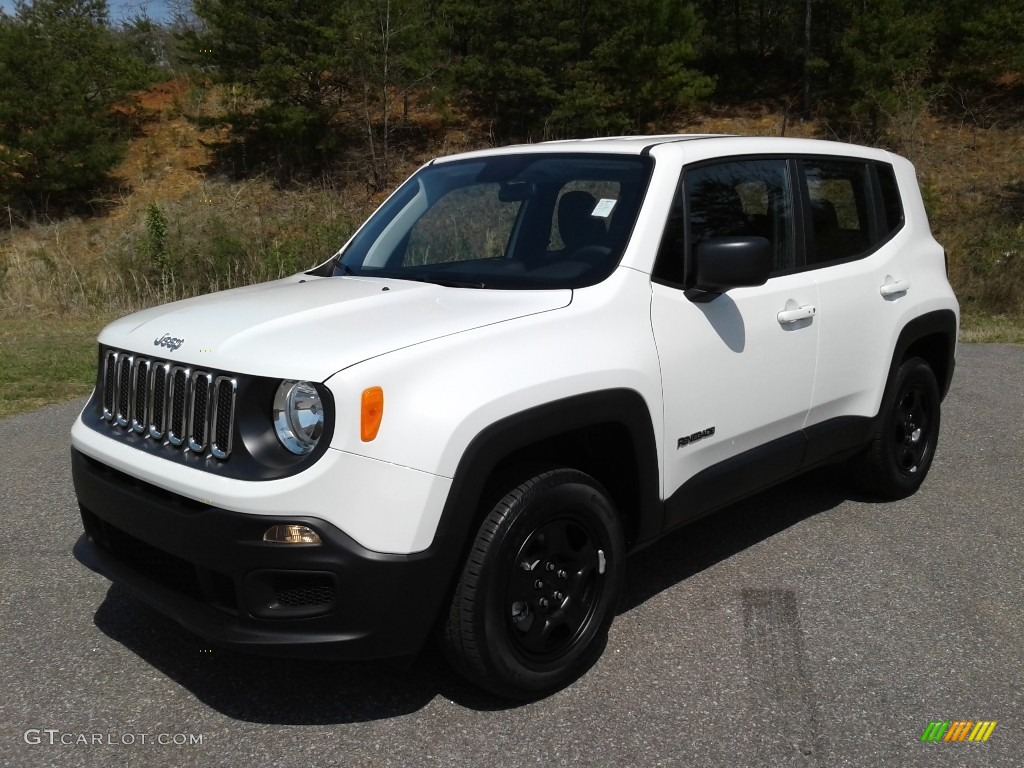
{"type": "Point", "coordinates": [898, 459]}
{"type": "Point", "coordinates": [539, 587]}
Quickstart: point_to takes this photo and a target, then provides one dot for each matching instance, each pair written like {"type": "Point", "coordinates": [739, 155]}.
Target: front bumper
{"type": "Point", "coordinates": [209, 569]}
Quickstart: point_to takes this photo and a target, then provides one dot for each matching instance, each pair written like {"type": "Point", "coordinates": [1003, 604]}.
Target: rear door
{"type": "Point", "coordinates": [859, 261]}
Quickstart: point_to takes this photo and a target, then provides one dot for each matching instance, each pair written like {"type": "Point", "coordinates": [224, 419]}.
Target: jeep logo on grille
{"type": "Point", "coordinates": [168, 341]}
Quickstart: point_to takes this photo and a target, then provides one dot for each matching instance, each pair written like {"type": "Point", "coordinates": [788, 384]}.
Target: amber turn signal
{"type": "Point", "coordinates": [372, 413]}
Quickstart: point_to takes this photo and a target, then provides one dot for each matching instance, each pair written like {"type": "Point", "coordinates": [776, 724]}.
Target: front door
{"type": "Point", "coordinates": [737, 371]}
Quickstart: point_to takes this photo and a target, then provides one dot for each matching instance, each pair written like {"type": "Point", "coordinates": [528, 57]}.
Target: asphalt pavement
{"type": "Point", "coordinates": [805, 627]}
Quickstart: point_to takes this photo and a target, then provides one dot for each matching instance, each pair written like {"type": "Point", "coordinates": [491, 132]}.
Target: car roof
{"type": "Point", "coordinates": [710, 144]}
{"type": "Point", "coordinates": [628, 145]}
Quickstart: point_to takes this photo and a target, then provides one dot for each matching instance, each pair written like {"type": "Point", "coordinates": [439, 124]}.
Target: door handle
{"type": "Point", "coordinates": [788, 316]}
{"type": "Point", "coordinates": [894, 287]}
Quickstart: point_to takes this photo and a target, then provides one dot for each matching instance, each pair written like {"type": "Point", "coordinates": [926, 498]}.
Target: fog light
{"type": "Point", "coordinates": [291, 534]}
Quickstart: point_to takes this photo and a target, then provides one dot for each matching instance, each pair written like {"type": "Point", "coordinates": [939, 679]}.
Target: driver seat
{"type": "Point", "coordinates": [577, 225]}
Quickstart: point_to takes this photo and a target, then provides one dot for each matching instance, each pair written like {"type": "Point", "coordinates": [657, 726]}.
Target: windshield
{"type": "Point", "coordinates": [510, 221]}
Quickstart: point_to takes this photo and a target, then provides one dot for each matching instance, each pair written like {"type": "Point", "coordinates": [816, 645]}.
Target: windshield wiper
{"type": "Point", "coordinates": [419, 278]}
{"type": "Point", "coordinates": [458, 283]}
{"type": "Point", "coordinates": [445, 281]}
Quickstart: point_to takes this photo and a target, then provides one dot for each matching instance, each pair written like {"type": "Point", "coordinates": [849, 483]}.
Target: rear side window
{"type": "Point", "coordinates": [848, 215]}
{"type": "Point", "coordinates": [842, 221]}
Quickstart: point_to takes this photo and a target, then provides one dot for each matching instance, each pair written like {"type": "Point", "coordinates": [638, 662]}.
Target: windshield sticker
{"type": "Point", "coordinates": [603, 208]}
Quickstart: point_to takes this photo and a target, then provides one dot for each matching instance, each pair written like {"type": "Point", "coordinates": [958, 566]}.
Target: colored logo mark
{"type": "Point", "coordinates": [958, 730]}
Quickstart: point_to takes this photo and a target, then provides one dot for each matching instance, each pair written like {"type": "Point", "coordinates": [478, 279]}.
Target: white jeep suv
{"type": "Point", "coordinates": [527, 364]}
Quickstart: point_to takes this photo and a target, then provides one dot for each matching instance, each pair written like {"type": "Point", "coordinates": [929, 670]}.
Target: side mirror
{"type": "Point", "coordinates": [722, 263]}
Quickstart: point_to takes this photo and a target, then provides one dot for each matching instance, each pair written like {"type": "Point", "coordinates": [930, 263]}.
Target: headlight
{"type": "Point", "coordinates": [298, 416]}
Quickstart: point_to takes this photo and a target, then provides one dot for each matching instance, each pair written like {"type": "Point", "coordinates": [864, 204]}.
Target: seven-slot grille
{"type": "Point", "coordinates": [164, 401]}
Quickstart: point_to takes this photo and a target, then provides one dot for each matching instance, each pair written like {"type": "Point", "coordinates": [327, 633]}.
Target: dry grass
{"type": "Point", "coordinates": [991, 329]}
{"type": "Point", "coordinates": [973, 181]}
{"type": "Point", "coordinates": [759, 122]}
{"type": "Point", "coordinates": [220, 235]}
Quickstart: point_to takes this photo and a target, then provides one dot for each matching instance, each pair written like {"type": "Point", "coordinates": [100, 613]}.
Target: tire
{"type": "Point", "coordinates": [901, 451]}
{"type": "Point", "coordinates": [538, 591]}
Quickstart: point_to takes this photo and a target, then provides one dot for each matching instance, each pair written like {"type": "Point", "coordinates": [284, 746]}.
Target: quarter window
{"type": "Point", "coordinates": [891, 200]}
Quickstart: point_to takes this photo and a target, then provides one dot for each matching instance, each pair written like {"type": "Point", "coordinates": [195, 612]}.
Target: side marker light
{"type": "Point", "coordinates": [371, 414]}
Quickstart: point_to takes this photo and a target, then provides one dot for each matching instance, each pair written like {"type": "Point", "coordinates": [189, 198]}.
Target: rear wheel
{"type": "Point", "coordinates": [539, 587]}
{"type": "Point", "coordinates": [898, 459]}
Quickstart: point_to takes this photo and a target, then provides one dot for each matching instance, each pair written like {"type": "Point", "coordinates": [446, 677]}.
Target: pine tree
{"type": "Point", "coordinates": [288, 56]}
{"type": "Point", "coordinates": [62, 71]}
{"type": "Point", "coordinates": [514, 59]}
{"type": "Point", "coordinates": [885, 55]}
{"type": "Point", "coordinates": [559, 68]}
{"type": "Point", "coordinates": [638, 72]}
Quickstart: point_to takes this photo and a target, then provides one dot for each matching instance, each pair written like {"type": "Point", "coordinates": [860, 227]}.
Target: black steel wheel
{"type": "Point", "coordinates": [539, 587]}
{"type": "Point", "coordinates": [902, 450]}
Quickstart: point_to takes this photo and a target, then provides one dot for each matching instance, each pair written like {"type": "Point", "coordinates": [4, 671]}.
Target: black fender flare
{"type": "Point", "coordinates": [623, 407]}
{"type": "Point", "coordinates": [940, 322]}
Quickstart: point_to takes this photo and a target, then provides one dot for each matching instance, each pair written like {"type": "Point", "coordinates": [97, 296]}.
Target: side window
{"type": "Point", "coordinates": [841, 217]}
{"type": "Point", "coordinates": [850, 207]}
{"type": "Point", "coordinates": [742, 198]}
{"type": "Point", "coordinates": [739, 198]}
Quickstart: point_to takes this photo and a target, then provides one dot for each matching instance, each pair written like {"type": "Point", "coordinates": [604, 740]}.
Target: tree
{"type": "Point", "coordinates": [312, 71]}
{"type": "Point", "coordinates": [885, 57]}
{"type": "Point", "coordinates": [62, 72]}
{"type": "Point", "coordinates": [554, 68]}
{"type": "Point", "coordinates": [980, 41]}
{"type": "Point", "coordinates": [638, 73]}
{"type": "Point", "coordinates": [394, 48]}
{"type": "Point", "coordinates": [513, 58]}
{"type": "Point", "coordinates": [758, 49]}
{"type": "Point", "coordinates": [290, 56]}
{"type": "Point", "coordinates": [150, 43]}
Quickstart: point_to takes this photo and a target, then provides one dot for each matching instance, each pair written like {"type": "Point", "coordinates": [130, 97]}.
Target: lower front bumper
{"type": "Point", "coordinates": [210, 570]}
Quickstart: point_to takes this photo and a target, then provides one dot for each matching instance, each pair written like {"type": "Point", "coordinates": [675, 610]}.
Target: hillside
{"type": "Point", "coordinates": [220, 231]}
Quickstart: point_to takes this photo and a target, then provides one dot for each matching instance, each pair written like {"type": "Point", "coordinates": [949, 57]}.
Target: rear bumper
{"type": "Point", "coordinates": [209, 569]}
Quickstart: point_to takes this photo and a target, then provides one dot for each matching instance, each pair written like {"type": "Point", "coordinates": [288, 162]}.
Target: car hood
{"type": "Point", "coordinates": [309, 328]}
